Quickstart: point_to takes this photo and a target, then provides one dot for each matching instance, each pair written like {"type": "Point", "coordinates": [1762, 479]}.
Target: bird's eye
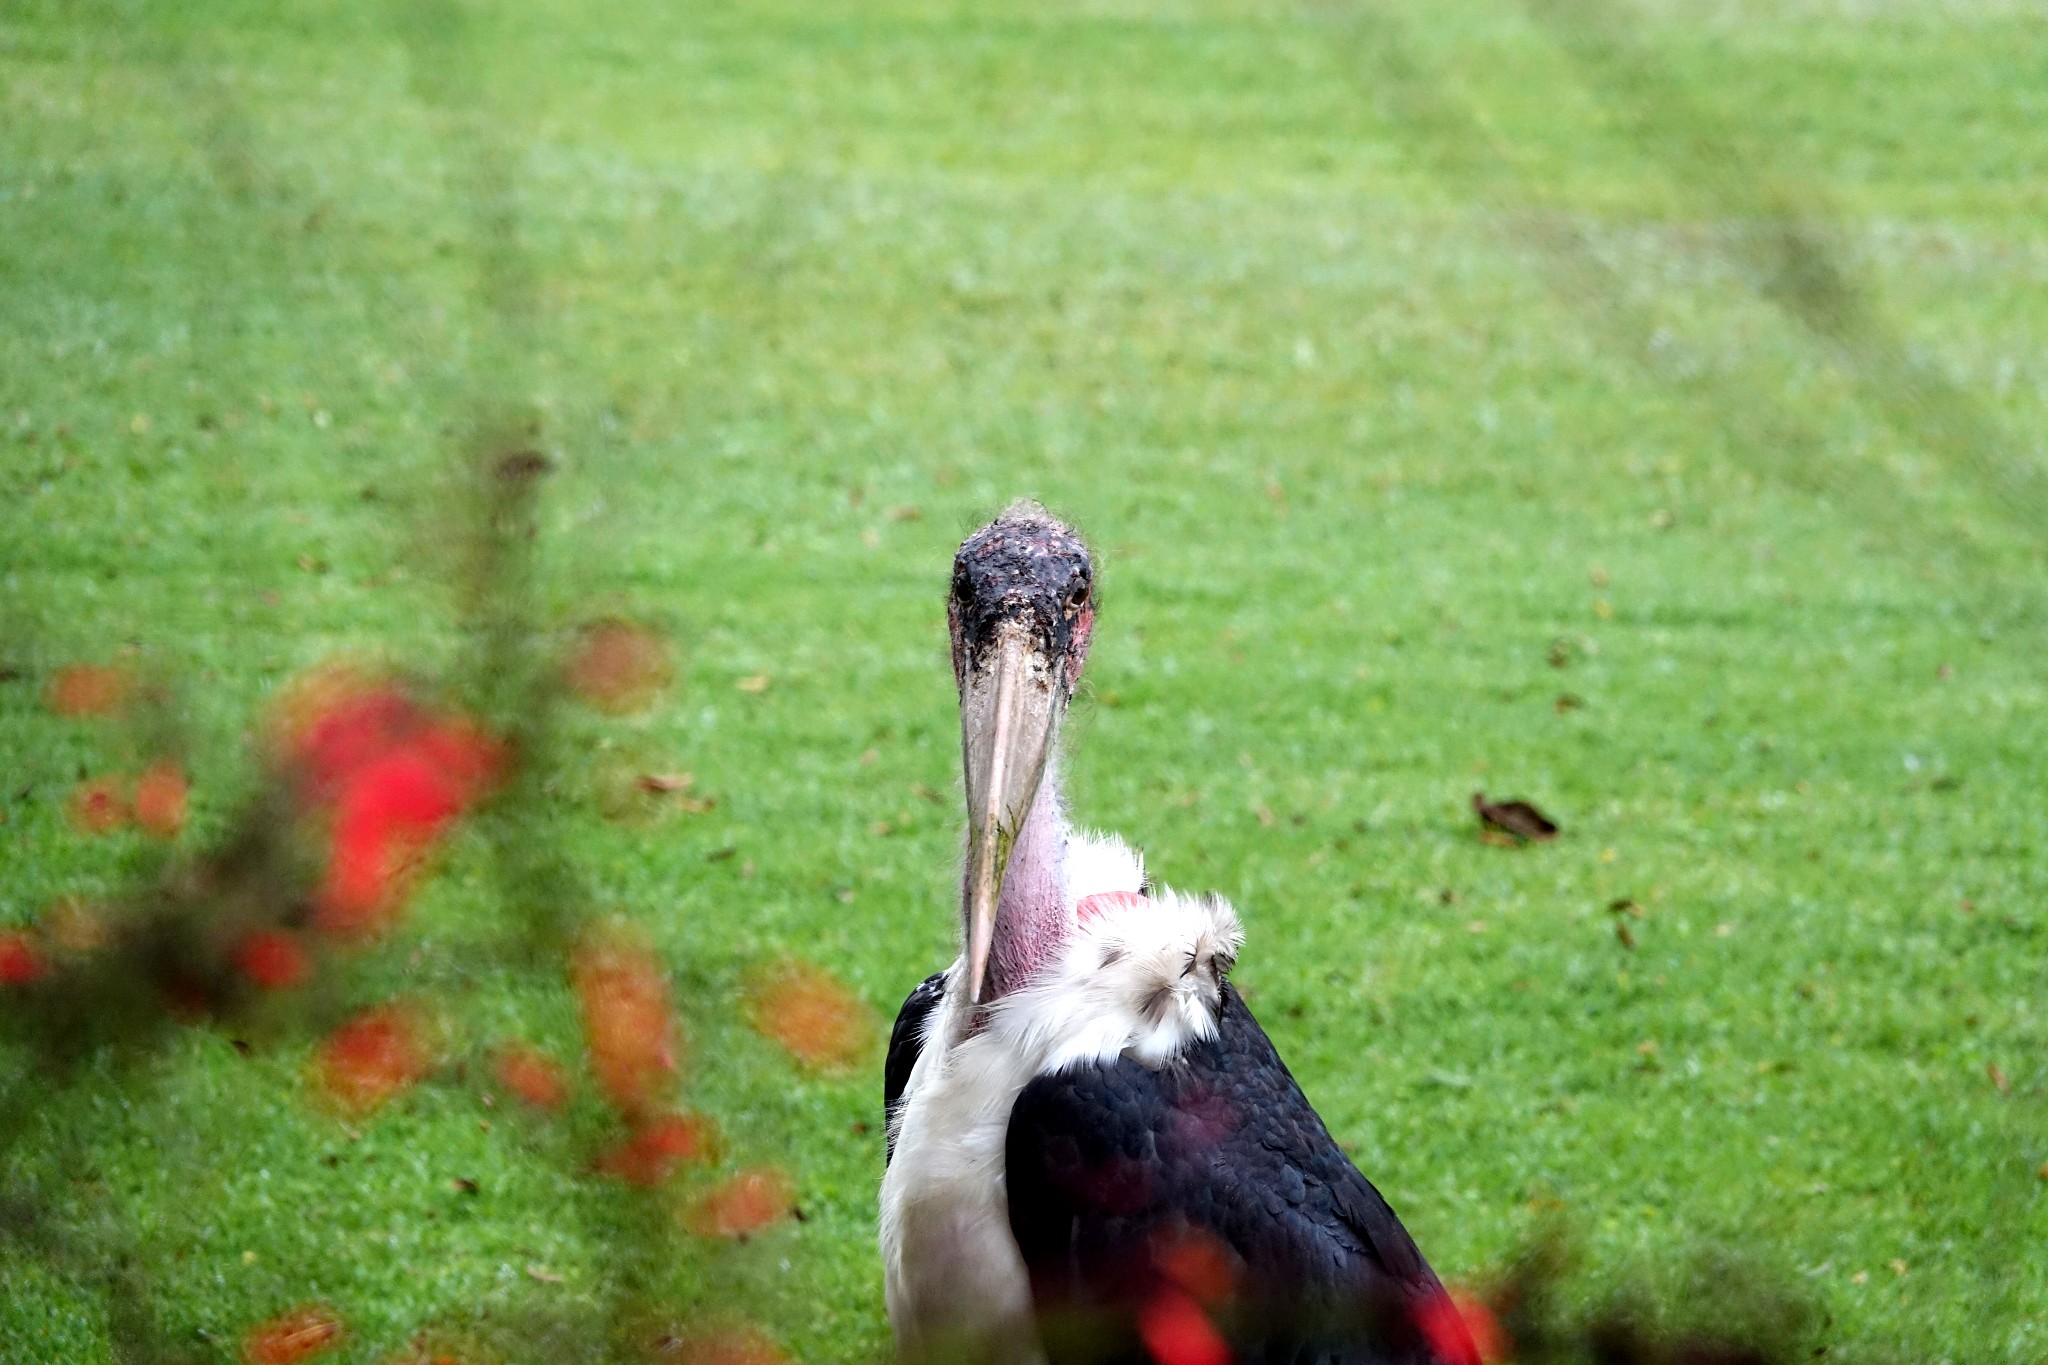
{"type": "Point", "coordinates": [962, 585]}
{"type": "Point", "coordinates": [1077, 597]}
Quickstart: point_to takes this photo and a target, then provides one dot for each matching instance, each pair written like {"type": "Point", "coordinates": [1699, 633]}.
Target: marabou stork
{"type": "Point", "coordinates": [1090, 1137]}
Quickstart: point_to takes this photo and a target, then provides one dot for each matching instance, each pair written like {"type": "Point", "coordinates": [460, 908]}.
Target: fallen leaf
{"type": "Point", "coordinates": [531, 1075]}
{"type": "Point", "coordinates": [1998, 1077]}
{"type": "Point", "coordinates": [301, 1334]}
{"type": "Point", "coordinates": [661, 784]}
{"type": "Point", "coordinates": [463, 1184]}
{"type": "Point", "coordinates": [99, 806]}
{"type": "Point", "coordinates": [373, 1057]}
{"type": "Point", "coordinates": [80, 690]}
{"type": "Point", "coordinates": [905, 513]}
{"type": "Point", "coordinates": [517, 466]}
{"type": "Point", "coordinates": [756, 684]}
{"type": "Point", "coordinates": [618, 667]}
{"type": "Point", "coordinates": [536, 1271]}
{"type": "Point", "coordinates": [810, 1015]}
{"type": "Point", "coordinates": [160, 800]}
{"type": "Point", "coordinates": [742, 1205]}
{"type": "Point", "coordinates": [1567, 701]}
{"type": "Point", "coordinates": [1898, 1265]}
{"type": "Point", "coordinates": [1624, 934]}
{"type": "Point", "coordinates": [1517, 818]}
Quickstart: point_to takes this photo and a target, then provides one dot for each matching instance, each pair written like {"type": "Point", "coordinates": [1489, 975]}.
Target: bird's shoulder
{"type": "Point", "coordinates": [1102, 1155]}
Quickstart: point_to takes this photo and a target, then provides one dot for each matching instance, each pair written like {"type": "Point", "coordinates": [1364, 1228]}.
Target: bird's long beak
{"type": "Point", "coordinates": [1010, 713]}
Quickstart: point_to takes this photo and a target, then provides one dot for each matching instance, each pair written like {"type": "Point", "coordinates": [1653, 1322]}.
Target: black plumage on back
{"type": "Point", "coordinates": [906, 1042]}
{"type": "Point", "coordinates": [1110, 1163]}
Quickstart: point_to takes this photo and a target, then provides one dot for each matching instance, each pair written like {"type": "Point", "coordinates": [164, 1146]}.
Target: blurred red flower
{"type": "Point", "coordinates": [301, 1334]}
{"type": "Point", "coordinates": [626, 1021]}
{"type": "Point", "coordinates": [160, 795]}
{"type": "Point", "coordinates": [100, 805]}
{"type": "Point", "coordinates": [20, 963]}
{"type": "Point", "coordinates": [389, 776]}
{"type": "Point", "coordinates": [78, 690]}
{"type": "Point", "coordinates": [618, 667]}
{"type": "Point", "coordinates": [273, 959]}
{"type": "Point", "coordinates": [531, 1075]}
{"type": "Point", "coordinates": [1460, 1327]}
{"type": "Point", "coordinates": [742, 1205]}
{"type": "Point", "coordinates": [659, 1146]}
{"type": "Point", "coordinates": [372, 1057]}
{"type": "Point", "coordinates": [814, 1018]}
{"type": "Point", "coordinates": [1176, 1331]}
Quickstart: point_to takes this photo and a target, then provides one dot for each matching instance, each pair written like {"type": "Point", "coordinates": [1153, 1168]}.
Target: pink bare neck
{"type": "Point", "coordinates": [1032, 920]}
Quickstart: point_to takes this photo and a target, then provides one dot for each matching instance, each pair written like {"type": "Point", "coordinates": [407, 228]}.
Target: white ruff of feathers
{"type": "Point", "coordinates": [1138, 976]}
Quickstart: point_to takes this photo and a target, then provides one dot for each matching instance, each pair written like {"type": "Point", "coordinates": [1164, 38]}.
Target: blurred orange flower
{"type": "Point", "coordinates": [371, 1058]}
{"type": "Point", "coordinates": [743, 1205]}
{"type": "Point", "coordinates": [301, 1334]}
{"type": "Point", "coordinates": [626, 1023]}
{"type": "Point", "coordinates": [618, 667]}
{"type": "Point", "coordinates": [160, 800]}
{"type": "Point", "coordinates": [657, 1147]}
{"type": "Point", "coordinates": [736, 1344]}
{"type": "Point", "coordinates": [78, 690]}
{"type": "Point", "coordinates": [811, 1015]}
{"type": "Point", "coordinates": [273, 959]}
{"type": "Point", "coordinates": [99, 806]}
{"type": "Point", "coordinates": [531, 1075]}
{"type": "Point", "coordinates": [1197, 1261]}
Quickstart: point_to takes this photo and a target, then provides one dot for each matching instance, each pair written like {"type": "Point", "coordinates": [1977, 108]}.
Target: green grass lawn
{"type": "Point", "coordinates": [1446, 412]}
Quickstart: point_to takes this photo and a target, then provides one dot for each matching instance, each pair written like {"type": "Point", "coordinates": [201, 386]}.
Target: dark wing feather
{"type": "Point", "coordinates": [906, 1041]}
{"type": "Point", "coordinates": [1110, 1164]}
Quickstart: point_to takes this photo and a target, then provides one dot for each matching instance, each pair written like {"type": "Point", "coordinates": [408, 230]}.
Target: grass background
{"type": "Point", "coordinates": [1409, 371]}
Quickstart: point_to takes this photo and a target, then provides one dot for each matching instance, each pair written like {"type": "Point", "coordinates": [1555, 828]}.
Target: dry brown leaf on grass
{"type": "Point", "coordinates": [301, 1334]}
{"type": "Point", "coordinates": [1518, 819]}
